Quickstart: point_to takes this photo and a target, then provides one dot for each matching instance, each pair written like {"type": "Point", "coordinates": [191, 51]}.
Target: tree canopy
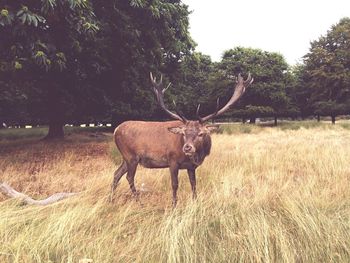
{"type": "Point", "coordinates": [44, 53]}
{"type": "Point", "coordinates": [327, 71]}
{"type": "Point", "coordinates": [74, 61]}
{"type": "Point", "coordinates": [140, 37]}
{"type": "Point", "coordinates": [83, 60]}
{"type": "Point", "coordinates": [267, 96]}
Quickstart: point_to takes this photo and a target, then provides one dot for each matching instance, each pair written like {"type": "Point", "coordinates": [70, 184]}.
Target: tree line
{"type": "Point", "coordinates": [88, 61]}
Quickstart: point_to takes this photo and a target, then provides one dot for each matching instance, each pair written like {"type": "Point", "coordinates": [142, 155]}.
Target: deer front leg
{"type": "Point", "coordinates": [174, 172]}
{"type": "Point", "coordinates": [192, 177]}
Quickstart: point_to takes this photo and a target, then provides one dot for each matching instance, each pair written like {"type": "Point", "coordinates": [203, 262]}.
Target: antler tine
{"type": "Point", "coordinates": [152, 78]}
{"type": "Point", "coordinates": [217, 106]}
{"type": "Point", "coordinates": [158, 90]}
{"type": "Point", "coordinates": [179, 113]}
{"type": "Point", "coordinates": [249, 80]}
{"type": "Point", "coordinates": [197, 113]}
{"type": "Point", "coordinates": [238, 78]}
{"type": "Point", "coordinates": [238, 92]}
{"type": "Point", "coordinates": [201, 120]}
{"type": "Point", "coordinates": [164, 90]}
{"type": "Point", "coordinates": [156, 84]}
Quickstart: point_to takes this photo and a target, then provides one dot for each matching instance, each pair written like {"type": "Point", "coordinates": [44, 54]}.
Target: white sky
{"type": "Point", "coordinates": [283, 26]}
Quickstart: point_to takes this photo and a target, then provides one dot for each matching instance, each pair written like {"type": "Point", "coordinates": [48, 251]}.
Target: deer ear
{"type": "Point", "coordinates": [212, 127]}
{"type": "Point", "coordinates": [177, 130]}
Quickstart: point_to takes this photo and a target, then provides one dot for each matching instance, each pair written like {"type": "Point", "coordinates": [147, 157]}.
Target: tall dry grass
{"type": "Point", "coordinates": [269, 195]}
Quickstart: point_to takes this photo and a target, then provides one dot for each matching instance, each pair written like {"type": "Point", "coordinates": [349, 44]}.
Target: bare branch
{"type": "Point", "coordinates": [12, 193]}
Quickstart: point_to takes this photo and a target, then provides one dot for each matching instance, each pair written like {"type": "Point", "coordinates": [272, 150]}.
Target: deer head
{"type": "Point", "coordinates": [195, 132]}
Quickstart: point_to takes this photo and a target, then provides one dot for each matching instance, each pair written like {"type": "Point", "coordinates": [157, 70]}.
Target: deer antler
{"type": "Point", "coordinates": [239, 91]}
{"type": "Point", "coordinates": [159, 90]}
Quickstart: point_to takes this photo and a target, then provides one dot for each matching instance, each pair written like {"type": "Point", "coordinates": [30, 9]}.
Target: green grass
{"type": "Point", "coordinates": [21, 133]}
{"type": "Point", "coordinates": [232, 128]}
{"type": "Point", "coordinates": [240, 128]}
{"type": "Point", "coordinates": [40, 132]}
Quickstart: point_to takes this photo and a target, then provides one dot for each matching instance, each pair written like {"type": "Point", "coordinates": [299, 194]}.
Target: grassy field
{"type": "Point", "coordinates": [265, 195]}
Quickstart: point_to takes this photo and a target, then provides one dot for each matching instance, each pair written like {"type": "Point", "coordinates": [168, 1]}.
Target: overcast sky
{"type": "Point", "coordinates": [283, 26]}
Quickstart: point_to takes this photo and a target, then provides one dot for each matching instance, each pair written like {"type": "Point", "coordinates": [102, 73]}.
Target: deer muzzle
{"type": "Point", "coordinates": [188, 149]}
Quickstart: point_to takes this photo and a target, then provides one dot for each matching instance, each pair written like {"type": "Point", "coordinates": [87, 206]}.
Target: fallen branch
{"type": "Point", "coordinates": [12, 193]}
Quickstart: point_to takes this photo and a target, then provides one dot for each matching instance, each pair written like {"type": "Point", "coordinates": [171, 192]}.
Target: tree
{"type": "Point", "coordinates": [43, 47]}
{"type": "Point", "coordinates": [298, 91]}
{"type": "Point", "coordinates": [12, 104]}
{"type": "Point", "coordinates": [90, 60]}
{"type": "Point", "coordinates": [140, 37]}
{"type": "Point", "coordinates": [267, 96]}
{"type": "Point", "coordinates": [327, 71]}
{"type": "Point", "coordinates": [190, 84]}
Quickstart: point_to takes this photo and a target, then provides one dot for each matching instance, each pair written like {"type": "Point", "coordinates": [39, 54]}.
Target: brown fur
{"type": "Point", "coordinates": [178, 144]}
{"type": "Point", "coordinates": [161, 145]}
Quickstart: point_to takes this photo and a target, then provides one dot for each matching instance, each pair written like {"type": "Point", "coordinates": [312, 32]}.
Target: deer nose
{"type": "Point", "coordinates": [188, 148]}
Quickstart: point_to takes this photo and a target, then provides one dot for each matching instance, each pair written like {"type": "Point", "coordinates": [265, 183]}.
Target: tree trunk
{"type": "Point", "coordinates": [55, 111]}
{"type": "Point", "coordinates": [252, 120]}
{"type": "Point", "coordinates": [55, 131]}
{"type": "Point", "coordinates": [318, 118]}
{"type": "Point", "coordinates": [333, 119]}
{"type": "Point", "coordinates": [275, 123]}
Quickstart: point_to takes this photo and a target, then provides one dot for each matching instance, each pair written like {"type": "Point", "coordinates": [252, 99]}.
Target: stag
{"type": "Point", "coordinates": [180, 144]}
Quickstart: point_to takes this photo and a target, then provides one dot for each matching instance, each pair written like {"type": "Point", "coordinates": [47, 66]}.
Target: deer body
{"type": "Point", "coordinates": [181, 144]}
{"type": "Point", "coordinates": [153, 146]}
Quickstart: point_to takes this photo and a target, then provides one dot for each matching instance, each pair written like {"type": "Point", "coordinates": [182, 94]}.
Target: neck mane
{"type": "Point", "coordinates": [202, 152]}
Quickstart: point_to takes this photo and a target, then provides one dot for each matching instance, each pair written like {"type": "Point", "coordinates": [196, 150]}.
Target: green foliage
{"type": "Point", "coordinates": [83, 60]}
{"type": "Point", "coordinates": [140, 37]}
{"type": "Point", "coordinates": [327, 74]}
{"type": "Point", "coordinates": [35, 33]}
{"type": "Point", "coordinates": [88, 60]}
{"type": "Point", "coordinates": [267, 96]}
{"type": "Point", "coordinates": [38, 61]}
{"type": "Point", "coordinates": [298, 91]}
{"type": "Point", "coordinates": [190, 84]}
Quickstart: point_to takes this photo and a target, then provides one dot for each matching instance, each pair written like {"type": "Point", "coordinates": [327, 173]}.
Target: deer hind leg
{"type": "Point", "coordinates": [123, 168]}
{"type": "Point", "coordinates": [132, 165]}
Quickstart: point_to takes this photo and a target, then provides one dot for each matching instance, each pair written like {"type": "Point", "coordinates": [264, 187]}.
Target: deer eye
{"type": "Point", "coordinates": [201, 134]}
